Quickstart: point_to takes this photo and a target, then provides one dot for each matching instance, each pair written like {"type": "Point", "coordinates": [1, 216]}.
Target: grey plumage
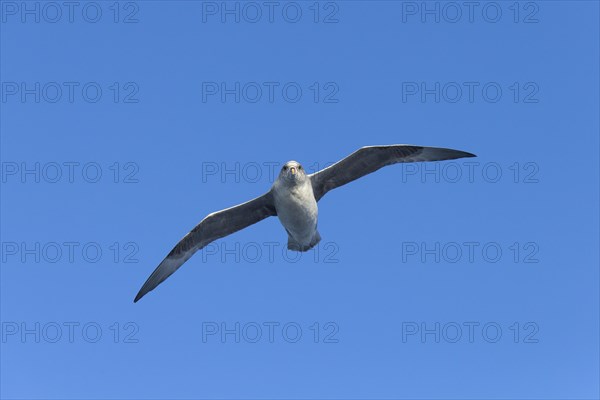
{"type": "Point", "coordinates": [293, 198]}
{"type": "Point", "coordinates": [369, 159]}
{"type": "Point", "coordinates": [215, 226]}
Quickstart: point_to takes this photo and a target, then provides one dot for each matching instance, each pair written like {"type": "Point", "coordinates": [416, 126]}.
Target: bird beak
{"type": "Point", "coordinates": [293, 170]}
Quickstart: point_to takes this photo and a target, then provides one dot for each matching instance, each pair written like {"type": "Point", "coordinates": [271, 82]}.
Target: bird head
{"type": "Point", "coordinates": [292, 172]}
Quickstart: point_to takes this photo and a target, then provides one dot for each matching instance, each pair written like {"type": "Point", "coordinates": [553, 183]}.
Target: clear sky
{"type": "Point", "coordinates": [124, 124]}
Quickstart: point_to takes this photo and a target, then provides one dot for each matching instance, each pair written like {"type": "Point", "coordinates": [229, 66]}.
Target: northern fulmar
{"type": "Point", "coordinates": [293, 198]}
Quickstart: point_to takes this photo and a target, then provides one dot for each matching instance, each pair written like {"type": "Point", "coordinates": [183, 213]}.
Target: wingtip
{"type": "Point", "coordinates": [454, 154]}
{"type": "Point", "coordinates": [138, 296]}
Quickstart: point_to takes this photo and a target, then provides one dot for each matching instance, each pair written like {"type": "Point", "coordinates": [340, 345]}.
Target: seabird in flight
{"type": "Point", "coordinates": [293, 198]}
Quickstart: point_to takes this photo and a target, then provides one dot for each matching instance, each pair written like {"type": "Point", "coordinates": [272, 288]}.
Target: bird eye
{"type": "Point", "coordinates": [299, 166]}
{"type": "Point", "coordinates": [285, 167]}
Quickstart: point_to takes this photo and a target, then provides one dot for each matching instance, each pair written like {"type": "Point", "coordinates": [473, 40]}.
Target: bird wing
{"type": "Point", "coordinates": [215, 226]}
{"type": "Point", "coordinates": [371, 158]}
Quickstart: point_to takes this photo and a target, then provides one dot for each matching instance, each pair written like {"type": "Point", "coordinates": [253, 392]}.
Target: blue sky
{"type": "Point", "coordinates": [124, 124]}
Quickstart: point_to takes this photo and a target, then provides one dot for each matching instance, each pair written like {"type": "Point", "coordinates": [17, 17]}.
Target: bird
{"type": "Point", "coordinates": [293, 199]}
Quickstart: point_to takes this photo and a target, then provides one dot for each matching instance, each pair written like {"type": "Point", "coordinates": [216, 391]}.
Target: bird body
{"type": "Point", "coordinates": [296, 207]}
{"type": "Point", "coordinates": [293, 198]}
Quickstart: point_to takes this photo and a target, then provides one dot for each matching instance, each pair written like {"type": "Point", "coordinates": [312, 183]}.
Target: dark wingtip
{"type": "Point", "coordinates": [450, 154]}
{"type": "Point", "coordinates": [139, 296]}
{"type": "Point", "coordinates": [453, 154]}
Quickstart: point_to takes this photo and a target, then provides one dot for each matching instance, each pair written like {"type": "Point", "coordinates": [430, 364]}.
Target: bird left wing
{"type": "Point", "coordinates": [215, 226]}
{"type": "Point", "coordinates": [371, 158]}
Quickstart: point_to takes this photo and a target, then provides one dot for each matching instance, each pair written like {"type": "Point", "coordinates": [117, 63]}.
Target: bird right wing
{"type": "Point", "coordinates": [371, 158]}
{"type": "Point", "coordinates": [215, 226]}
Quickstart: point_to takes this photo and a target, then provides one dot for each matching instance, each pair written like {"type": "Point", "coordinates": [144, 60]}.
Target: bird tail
{"type": "Point", "coordinates": [296, 246]}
